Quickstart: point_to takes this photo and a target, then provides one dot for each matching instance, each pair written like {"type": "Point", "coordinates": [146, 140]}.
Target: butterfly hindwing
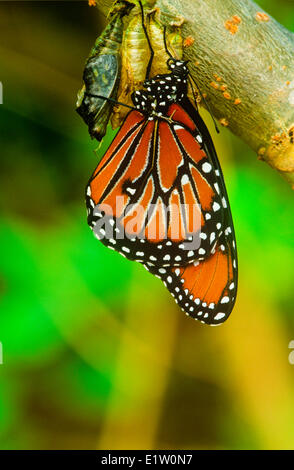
{"type": "Point", "coordinates": [205, 290]}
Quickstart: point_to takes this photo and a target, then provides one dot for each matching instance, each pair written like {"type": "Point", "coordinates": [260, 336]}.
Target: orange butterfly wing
{"type": "Point", "coordinates": [153, 196]}
{"type": "Point", "coordinates": [205, 290]}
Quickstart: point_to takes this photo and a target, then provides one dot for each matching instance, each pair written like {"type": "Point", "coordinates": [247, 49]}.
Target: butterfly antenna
{"type": "Point", "coordinates": [110, 100]}
{"type": "Point", "coordinates": [149, 42]}
{"type": "Point", "coordinates": [194, 95]}
{"type": "Point", "coordinates": [165, 43]}
{"type": "Point", "coordinates": [206, 103]}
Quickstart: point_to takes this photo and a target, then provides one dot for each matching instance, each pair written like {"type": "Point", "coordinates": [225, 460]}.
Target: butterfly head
{"type": "Point", "coordinates": [178, 67]}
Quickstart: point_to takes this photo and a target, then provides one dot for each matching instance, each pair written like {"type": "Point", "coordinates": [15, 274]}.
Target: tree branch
{"type": "Point", "coordinates": [243, 60]}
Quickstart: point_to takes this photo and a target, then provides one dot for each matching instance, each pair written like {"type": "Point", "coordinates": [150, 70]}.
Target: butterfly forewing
{"type": "Point", "coordinates": [156, 191]}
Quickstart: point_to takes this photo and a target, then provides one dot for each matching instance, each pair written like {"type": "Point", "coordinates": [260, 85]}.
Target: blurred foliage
{"type": "Point", "coordinates": [96, 353]}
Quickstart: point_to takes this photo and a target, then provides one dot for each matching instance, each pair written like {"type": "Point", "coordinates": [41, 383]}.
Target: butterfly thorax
{"type": "Point", "coordinates": [162, 90]}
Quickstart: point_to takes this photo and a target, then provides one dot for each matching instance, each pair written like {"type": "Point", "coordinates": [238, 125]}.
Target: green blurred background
{"type": "Point", "coordinates": [96, 354]}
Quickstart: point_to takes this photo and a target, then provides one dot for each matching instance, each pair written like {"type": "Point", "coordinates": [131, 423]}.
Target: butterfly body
{"type": "Point", "coordinates": [163, 90]}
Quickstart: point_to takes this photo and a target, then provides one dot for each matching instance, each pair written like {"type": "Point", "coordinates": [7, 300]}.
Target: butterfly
{"type": "Point", "coordinates": [158, 197]}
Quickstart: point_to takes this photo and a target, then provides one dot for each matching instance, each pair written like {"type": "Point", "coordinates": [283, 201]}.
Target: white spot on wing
{"type": "Point", "coordinates": [206, 167]}
{"type": "Point", "coordinates": [219, 316]}
{"type": "Point", "coordinates": [215, 206]}
{"type": "Point", "coordinates": [185, 179]}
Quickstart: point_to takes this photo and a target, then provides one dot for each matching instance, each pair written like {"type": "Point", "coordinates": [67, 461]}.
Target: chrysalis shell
{"type": "Point", "coordinates": [101, 74]}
